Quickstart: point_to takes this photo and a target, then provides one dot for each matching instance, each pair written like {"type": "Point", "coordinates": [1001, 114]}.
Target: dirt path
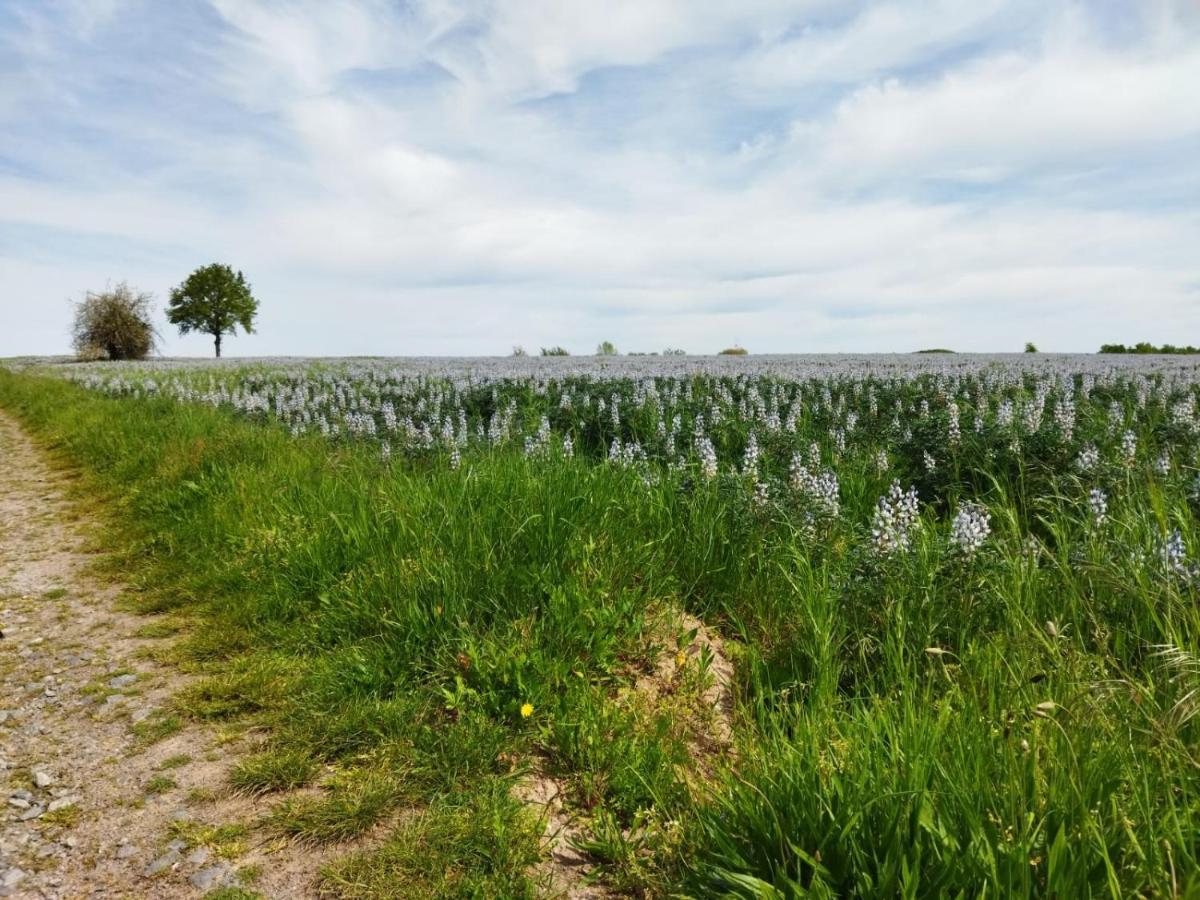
{"type": "Point", "coordinates": [105, 792]}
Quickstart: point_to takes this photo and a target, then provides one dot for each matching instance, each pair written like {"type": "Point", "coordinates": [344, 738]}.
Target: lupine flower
{"type": "Point", "coordinates": [970, 528]}
{"type": "Point", "coordinates": [819, 488]}
{"type": "Point", "coordinates": [762, 493]}
{"type": "Point", "coordinates": [750, 460]}
{"type": "Point", "coordinates": [708, 456]}
{"type": "Point", "coordinates": [1088, 459]}
{"type": "Point", "coordinates": [1128, 448]}
{"type": "Point", "coordinates": [895, 518]}
{"type": "Point", "coordinates": [1098, 504]}
{"type": "Point", "coordinates": [1173, 555]}
{"type": "Point", "coordinates": [1162, 465]}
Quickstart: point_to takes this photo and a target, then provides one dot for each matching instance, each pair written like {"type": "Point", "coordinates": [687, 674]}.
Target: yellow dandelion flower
{"type": "Point", "coordinates": [526, 710]}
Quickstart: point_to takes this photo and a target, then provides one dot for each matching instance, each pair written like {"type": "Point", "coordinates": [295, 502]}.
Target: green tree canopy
{"type": "Point", "coordinates": [213, 300]}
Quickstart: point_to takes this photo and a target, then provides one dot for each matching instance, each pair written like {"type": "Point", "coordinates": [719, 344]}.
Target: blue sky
{"type": "Point", "coordinates": [455, 177]}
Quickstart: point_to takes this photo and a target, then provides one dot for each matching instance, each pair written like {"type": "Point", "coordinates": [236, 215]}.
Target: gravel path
{"type": "Point", "coordinates": [105, 792]}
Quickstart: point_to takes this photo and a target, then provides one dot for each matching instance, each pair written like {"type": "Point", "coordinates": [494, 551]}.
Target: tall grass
{"type": "Point", "coordinates": [925, 724]}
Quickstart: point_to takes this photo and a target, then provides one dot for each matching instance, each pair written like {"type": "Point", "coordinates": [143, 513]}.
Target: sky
{"type": "Point", "coordinates": [455, 177]}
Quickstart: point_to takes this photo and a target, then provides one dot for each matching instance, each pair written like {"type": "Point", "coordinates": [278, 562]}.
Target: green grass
{"type": "Point", "coordinates": [921, 726]}
{"type": "Point", "coordinates": [159, 784]}
{"type": "Point", "coordinates": [273, 770]}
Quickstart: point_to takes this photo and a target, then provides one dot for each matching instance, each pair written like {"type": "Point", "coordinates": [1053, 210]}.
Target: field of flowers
{"type": "Point", "coordinates": [774, 626]}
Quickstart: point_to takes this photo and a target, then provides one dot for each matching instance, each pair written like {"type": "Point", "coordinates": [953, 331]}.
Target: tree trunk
{"type": "Point", "coordinates": [217, 341]}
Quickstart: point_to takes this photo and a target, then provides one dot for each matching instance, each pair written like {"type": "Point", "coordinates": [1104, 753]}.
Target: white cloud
{"type": "Point", "coordinates": [445, 177]}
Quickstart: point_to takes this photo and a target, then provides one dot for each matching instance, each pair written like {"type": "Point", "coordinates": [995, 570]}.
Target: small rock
{"type": "Point", "coordinates": [61, 803]}
{"type": "Point", "coordinates": [71, 841]}
{"type": "Point", "coordinates": [19, 802]}
{"type": "Point", "coordinates": [177, 845]}
{"type": "Point", "coordinates": [125, 851]}
{"type": "Point", "coordinates": [207, 879]}
{"type": "Point", "coordinates": [163, 863]}
{"type": "Point", "coordinates": [114, 699]}
{"type": "Point", "coordinates": [4, 714]}
{"type": "Point", "coordinates": [12, 878]}
{"type": "Point", "coordinates": [122, 681]}
{"type": "Point", "coordinates": [34, 812]}
{"type": "Point", "coordinates": [197, 857]}
{"type": "Point", "coordinates": [42, 779]}
{"type": "Point", "coordinates": [139, 715]}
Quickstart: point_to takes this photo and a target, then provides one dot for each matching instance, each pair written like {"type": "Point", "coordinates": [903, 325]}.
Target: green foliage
{"type": "Point", "coordinates": [1030, 347]}
{"type": "Point", "coordinates": [476, 845]}
{"type": "Point", "coordinates": [555, 351]}
{"type": "Point", "coordinates": [936, 350]}
{"type": "Point", "coordinates": [273, 770]}
{"type": "Point", "coordinates": [734, 351]}
{"type": "Point", "coordinates": [114, 324]}
{"type": "Point", "coordinates": [1144, 347]}
{"type": "Point", "coordinates": [925, 725]}
{"type": "Point", "coordinates": [213, 300]}
{"type": "Point", "coordinates": [606, 348]}
{"type": "Point", "coordinates": [518, 350]}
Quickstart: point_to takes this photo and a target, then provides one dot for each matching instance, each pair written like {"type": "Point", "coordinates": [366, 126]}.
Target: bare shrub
{"type": "Point", "coordinates": [114, 324]}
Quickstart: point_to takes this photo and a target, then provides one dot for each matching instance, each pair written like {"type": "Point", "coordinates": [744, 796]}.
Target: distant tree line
{"type": "Point", "coordinates": [1145, 347]}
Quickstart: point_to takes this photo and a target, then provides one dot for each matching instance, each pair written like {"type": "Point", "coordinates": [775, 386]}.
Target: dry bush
{"type": "Point", "coordinates": [114, 324]}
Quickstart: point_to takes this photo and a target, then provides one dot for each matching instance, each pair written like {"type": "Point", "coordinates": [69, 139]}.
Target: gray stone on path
{"type": "Point", "coordinates": [42, 779]}
{"type": "Point", "coordinates": [12, 878]}
{"type": "Point", "coordinates": [213, 876]}
{"type": "Point", "coordinates": [163, 863]}
{"type": "Point", "coordinates": [125, 851]}
{"type": "Point", "coordinates": [197, 857]}
{"type": "Point", "coordinates": [122, 681]}
{"type": "Point", "coordinates": [33, 812]}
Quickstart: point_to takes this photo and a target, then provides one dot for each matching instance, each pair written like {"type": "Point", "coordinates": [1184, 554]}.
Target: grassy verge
{"type": "Point", "coordinates": [918, 725]}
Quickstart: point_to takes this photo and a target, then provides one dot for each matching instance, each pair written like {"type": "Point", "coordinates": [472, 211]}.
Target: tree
{"type": "Point", "coordinates": [606, 348]}
{"type": "Point", "coordinates": [114, 324]}
{"type": "Point", "coordinates": [733, 351]}
{"type": "Point", "coordinates": [555, 351]}
{"type": "Point", "coordinates": [1031, 347]}
{"type": "Point", "coordinates": [213, 300]}
{"type": "Point", "coordinates": [518, 350]}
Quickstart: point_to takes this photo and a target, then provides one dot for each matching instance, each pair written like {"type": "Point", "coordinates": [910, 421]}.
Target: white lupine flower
{"type": "Point", "coordinates": [970, 528]}
{"type": "Point", "coordinates": [1098, 505]}
{"type": "Point", "coordinates": [750, 459]}
{"type": "Point", "coordinates": [819, 488]}
{"type": "Point", "coordinates": [1162, 465]}
{"type": "Point", "coordinates": [895, 518]}
{"type": "Point", "coordinates": [707, 455]}
{"type": "Point", "coordinates": [1088, 459]}
{"type": "Point", "coordinates": [1128, 448]}
{"type": "Point", "coordinates": [1173, 555]}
